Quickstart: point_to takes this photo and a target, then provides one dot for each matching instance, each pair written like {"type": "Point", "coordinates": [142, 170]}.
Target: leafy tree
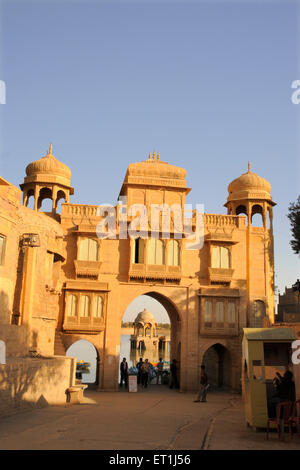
{"type": "Point", "coordinates": [294, 217]}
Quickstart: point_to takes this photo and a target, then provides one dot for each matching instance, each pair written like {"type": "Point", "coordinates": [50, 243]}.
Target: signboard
{"type": "Point", "coordinates": [132, 383]}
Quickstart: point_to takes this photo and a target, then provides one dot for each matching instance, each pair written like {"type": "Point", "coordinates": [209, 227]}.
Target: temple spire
{"type": "Point", "coordinates": [249, 166]}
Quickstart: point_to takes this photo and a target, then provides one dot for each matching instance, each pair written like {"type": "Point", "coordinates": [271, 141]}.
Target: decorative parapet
{"type": "Point", "coordinates": [87, 268]}
{"type": "Point", "coordinates": [220, 220]}
{"type": "Point", "coordinates": [222, 275]}
{"type": "Point", "coordinates": [79, 210]}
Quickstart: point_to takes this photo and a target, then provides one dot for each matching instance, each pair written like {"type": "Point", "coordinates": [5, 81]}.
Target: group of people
{"type": "Point", "coordinates": [144, 369]}
{"type": "Point", "coordinates": [143, 372]}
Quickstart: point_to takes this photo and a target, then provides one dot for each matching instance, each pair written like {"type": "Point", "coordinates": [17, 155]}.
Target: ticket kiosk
{"type": "Point", "coordinates": [265, 352]}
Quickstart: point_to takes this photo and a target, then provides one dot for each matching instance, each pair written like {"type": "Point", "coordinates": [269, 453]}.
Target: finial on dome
{"type": "Point", "coordinates": [249, 166]}
{"type": "Point", "coordinates": [150, 156]}
{"type": "Point", "coordinates": [154, 155]}
{"type": "Point", "coordinates": [158, 156]}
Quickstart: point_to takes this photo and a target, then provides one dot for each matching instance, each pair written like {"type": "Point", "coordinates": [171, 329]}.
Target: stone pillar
{"type": "Point", "coordinates": [28, 284]}
{"type": "Point", "coordinates": [36, 197]}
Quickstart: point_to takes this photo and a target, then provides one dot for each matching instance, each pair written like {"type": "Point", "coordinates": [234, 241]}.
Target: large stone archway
{"type": "Point", "coordinates": [174, 300]}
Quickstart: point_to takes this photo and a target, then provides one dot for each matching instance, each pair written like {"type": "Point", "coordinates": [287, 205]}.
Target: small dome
{"type": "Point", "coordinates": [145, 317]}
{"type": "Point", "coordinates": [155, 172]}
{"type": "Point", "coordinates": [156, 168]}
{"type": "Point", "coordinates": [48, 169]}
{"type": "Point", "coordinates": [249, 185]}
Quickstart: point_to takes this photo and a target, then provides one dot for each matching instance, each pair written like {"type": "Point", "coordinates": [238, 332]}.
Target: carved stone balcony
{"type": "Point", "coordinates": [84, 325]}
{"type": "Point", "coordinates": [220, 275]}
{"type": "Point", "coordinates": [163, 272]}
{"type": "Point", "coordinates": [215, 329]}
{"type": "Point", "coordinates": [88, 269]}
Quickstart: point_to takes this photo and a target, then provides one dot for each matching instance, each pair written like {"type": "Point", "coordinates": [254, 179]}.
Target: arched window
{"type": "Point", "coordinates": [220, 257]}
{"type": "Point", "coordinates": [208, 313]}
{"type": "Point", "coordinates": [140, 330]}
{"type": "Point", "coordinates": [173, 253]}
{"type": "Point", "coordinates": [84, 306]}
{"type": "Point", "coordinates": [241, 210]}
{"type": "Point", "coordinates": [88, 250]}
{"type": "Point", "coordinates": [148, 331]}
{"type": "Point", "coordinates": [139, 248]}
{"type": "Point", "coordinates": [259, 312]}
{"type": "Point", "coordinates": [220, 314]}
{"type": "Point", "coordinates": [98, 306]}
{"type": "Point", "coordinates": [156, 252]}
{"type": "Point", "coordinates": [72, 305]}
{"type": "Point", "coordinates": [231, 314]}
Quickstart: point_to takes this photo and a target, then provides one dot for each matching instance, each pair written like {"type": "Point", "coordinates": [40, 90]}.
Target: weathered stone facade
{"type": "Point", "coordinates": [79, 286]}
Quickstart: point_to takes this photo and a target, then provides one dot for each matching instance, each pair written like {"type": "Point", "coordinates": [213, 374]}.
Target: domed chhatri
{"type": "Point", "coordinates": [47, 178]}
{"type": "Point", "coordinates": [48, 169]}
{"type": "Point", "coordinates": [249, 186]}
{"type": "Point", "coordinates": [145, 317]}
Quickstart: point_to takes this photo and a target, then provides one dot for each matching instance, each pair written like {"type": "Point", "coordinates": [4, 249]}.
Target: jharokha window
{"type": "Point", "coordinates": [72, 306]}
{"type": "Point", "coordinates": [88, 250]}
{"type": "Point", "coordinates": [98, 306]}
{"type": "Point", "coordinates": [220, 314]}
{"type": "Point", "coordinates": [139, 249]}
{"type": "Point", "coordinates": [84, 306]}
{"type": "Point", "coordinates": [173, 253]}
{"type": "Point", "coordinates": [220, 257]}
{"type": "Point", "coordinates": [156, 251]}
{"type": "Point", "coordinates": [231, 314]}
{"type": "Point", "coordinates": [208, 313]}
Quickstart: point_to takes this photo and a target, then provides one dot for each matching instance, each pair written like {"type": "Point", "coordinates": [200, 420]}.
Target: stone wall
{"type": "Point", "coordinates": [35, 382]}
{"type": "Point", "coordinates": [16, 339]}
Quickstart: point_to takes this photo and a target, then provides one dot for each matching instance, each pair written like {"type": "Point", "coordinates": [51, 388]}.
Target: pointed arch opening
{"type": "Point", "coordinates": [151, 330]}
{"type": "Point", "coordinates": [257, 216]}
{"type": "Point", "coordinates": [217, 362]}
{"type": "Point", "coordinates": [87, 358]}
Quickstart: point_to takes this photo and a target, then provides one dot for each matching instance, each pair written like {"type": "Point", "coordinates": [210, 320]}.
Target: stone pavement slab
{"type": "Point", "coordinates": [155, 419]}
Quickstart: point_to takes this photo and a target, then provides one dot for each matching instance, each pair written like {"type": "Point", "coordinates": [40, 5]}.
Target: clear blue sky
{"type": "Point", "coordinates": [206, 83]}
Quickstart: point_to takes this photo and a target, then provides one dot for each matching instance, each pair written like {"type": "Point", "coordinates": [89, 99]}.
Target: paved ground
{"type": "Point", "coordinates": [156, 418]}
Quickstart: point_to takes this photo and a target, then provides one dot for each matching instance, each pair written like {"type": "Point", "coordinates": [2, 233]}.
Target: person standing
{"type": "Point", "coordinates": [139, 368]}
{"type": "Point", "coordinates": [203, 386]}
{"type": "Point", "coordinates": [173, 369]}
{"type": "Point", "coordinates": [145, 368]}
{"type": "Point", "coordinates": [160, 369]}
{"type": "Point", "coordinates": [124, 372]}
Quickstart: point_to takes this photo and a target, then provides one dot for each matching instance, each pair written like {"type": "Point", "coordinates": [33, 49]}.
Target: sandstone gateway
{"type": "Point", "coordinates": [60, 282]}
